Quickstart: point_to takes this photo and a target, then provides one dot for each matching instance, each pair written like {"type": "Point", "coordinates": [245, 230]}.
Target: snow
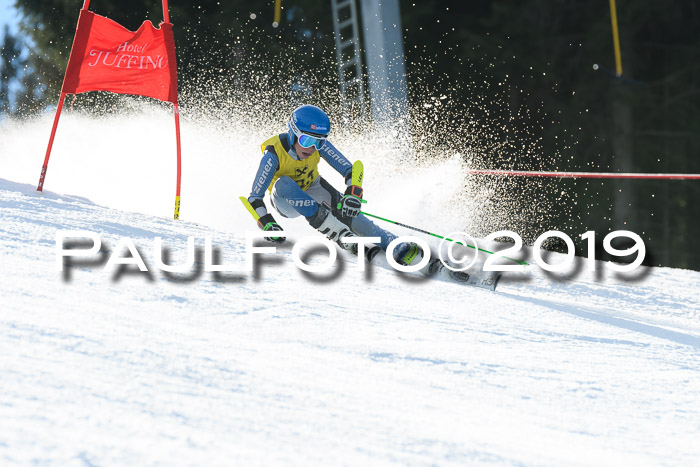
{"type": "Point", "coordinates": [278, 366]}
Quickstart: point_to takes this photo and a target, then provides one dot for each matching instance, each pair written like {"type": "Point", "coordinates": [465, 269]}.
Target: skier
{"type": "Point", "coordinates": [289, 171]}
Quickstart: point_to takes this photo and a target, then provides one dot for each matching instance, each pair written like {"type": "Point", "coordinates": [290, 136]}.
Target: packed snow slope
{"type": "Point", "coordinates": [278, 366]}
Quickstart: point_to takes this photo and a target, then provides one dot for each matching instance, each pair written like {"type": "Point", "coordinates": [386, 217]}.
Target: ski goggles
{"type": "Point", "coordinates": [306, 141]}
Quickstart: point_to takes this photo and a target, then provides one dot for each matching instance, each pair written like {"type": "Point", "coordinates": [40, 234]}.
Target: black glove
{"type": "Point", "coordinates": [351, 203]}
{"type": "Point", "coordinates": [267, 224]}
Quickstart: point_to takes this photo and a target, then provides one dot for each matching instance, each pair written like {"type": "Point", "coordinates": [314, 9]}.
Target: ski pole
{"type": "Point", "coordinates": [521, 262]}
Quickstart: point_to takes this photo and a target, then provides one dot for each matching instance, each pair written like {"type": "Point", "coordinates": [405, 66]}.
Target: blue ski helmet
{"type": "Point", "coordinates": [309, 125]}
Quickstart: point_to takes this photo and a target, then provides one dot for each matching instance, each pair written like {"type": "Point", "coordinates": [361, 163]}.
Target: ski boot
{"type": "Point", "coordinates": [370, 251]}
{"type": "Point", "coordinates": [325, 222]}
{"type": "Point", "coordinates": [410, 253]}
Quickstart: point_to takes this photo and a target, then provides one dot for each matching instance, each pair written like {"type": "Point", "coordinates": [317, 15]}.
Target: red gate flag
{"type": "Point", "coordinates": [108, 57]}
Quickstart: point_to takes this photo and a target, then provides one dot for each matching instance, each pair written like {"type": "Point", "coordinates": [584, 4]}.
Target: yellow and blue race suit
{"type": "Point", "coordinates": [296, 186]}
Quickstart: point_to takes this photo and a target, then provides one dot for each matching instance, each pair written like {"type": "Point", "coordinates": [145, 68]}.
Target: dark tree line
{"type": "Point", "coordinates": [509, 84]}
{"type": "Point", "coordinates": [525, 69]}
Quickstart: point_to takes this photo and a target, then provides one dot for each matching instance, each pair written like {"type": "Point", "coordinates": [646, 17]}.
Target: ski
{"type": "Point", "coordinates": [482, 279]}
{"type": "Point", "coordinates": [472, 277]}
{"type": "Point", "coordinates": [436, 270]}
